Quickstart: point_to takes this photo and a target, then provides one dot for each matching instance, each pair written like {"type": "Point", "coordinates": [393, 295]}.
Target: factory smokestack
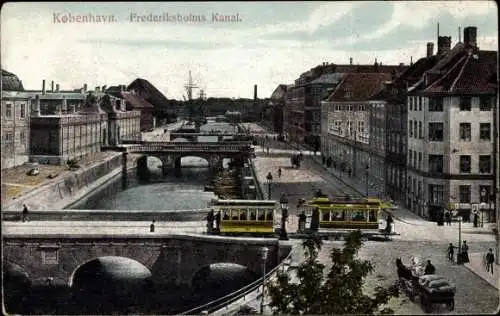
{"type": "Point", "coordinates": [255, 92]}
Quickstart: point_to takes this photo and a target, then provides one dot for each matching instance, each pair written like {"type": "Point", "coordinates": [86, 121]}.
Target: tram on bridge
{"type": "Point", "coordinates": [245, 217]}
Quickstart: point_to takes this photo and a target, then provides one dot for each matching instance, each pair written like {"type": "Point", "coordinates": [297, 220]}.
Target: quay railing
{"type": "Point", "coordinates": [230, 298]}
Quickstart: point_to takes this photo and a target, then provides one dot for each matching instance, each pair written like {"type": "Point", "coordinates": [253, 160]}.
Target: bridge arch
{"type": "Point", "coordinates": [146, 165]}
{"type": "Point", "coordinates": [218, 279]}
{"type": "Point", "coordinates": [110, 266]}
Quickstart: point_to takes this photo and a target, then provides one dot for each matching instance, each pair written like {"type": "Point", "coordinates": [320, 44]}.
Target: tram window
{"type": "Point", "coordinates": [262, 215]}
{"type": "Point", "coordinates": [338, 215]}
{"type": "Point", "coordinates": [243, 215]}
{"type": "Point", "coordinates": [358, 216]}
{"type": "Point", "coordinates": [235, 215]}
{"type": "Point", "coordinates": [252, 215]}
{"type": "Point", "coordinates": [373, 216]}
{"type": "Point", "coordinates": [225, 217]}
{"type": "Point", "coordinates": [326, 215]}
{"type": "Point", "coordinates": [269, 215]}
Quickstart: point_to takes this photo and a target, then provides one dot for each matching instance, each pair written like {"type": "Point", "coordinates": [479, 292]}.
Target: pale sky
{"type": "Point", "coordinates": [272, 44]}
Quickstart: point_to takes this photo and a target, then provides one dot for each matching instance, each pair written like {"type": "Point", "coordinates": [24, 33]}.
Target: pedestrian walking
{"type": "Point", "coordinates": [490, 259]}
{"type": "Point", "coordinates": [210, 221]}
{"type": "Point", "coordinates": [268, 150]}
{"type": "Point", "coordinates": [465, 252]}
{"type": "Point", "coordinates": [217, 221]}
{"type": "Point", "coordinates": [389, 220]}
{"type": "Point", "coordinates": [152, 227]}
{"type": "Point", "coordinates": [24, 216]}
{"type": "Point", "coordinates": [279, 172]}
{"type": "Point", "coordinates": [302, 222]}
{"type": "Point", "coordinates": [447, 217]}
{"type": "Point", "coordinates": [451, 252]}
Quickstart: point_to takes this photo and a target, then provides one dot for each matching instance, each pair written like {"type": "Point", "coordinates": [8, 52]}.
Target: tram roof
{"type": "Point", "coordinates": [325, 200]}
{"type": "Point", "coordinates": [244, 202]}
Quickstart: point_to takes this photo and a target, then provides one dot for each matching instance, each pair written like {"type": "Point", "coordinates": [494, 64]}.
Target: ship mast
{"type": "Point", "coordinates": [189, 87]}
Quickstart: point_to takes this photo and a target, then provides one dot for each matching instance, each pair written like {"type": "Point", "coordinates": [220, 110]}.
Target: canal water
{"type": "Point", "coordinates": [170, 192]}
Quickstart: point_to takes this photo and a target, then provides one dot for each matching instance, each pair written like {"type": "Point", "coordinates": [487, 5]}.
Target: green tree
{"type": "Point", "coordinates": [338, 292]}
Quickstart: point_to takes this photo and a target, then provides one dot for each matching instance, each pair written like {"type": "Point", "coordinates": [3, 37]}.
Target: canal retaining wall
{"type": "Point", "coordinates": [70, 188]}
{"type": "Point", "coordinates": [258, 186]}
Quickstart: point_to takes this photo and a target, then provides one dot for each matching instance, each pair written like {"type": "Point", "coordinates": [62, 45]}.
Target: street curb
{"type": "Point", "coordinates": [468, 266]}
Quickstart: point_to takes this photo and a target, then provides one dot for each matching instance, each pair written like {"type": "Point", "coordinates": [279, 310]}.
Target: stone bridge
{"type": "Point", "coordinates": [193, 137]}
{"type": "Point", "coordinates": [171, 259]}
{"type": "Point", "coordinates": [171, 154]}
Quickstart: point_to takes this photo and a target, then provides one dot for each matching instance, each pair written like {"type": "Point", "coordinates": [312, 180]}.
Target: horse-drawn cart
{"type": "Point", "coordinates": [435, 289]}
{"type": "Point", "coordinates": [432, 289]}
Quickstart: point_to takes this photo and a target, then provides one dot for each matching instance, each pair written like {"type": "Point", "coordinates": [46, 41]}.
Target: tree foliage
{"type": "Point", "coordinates": [340, 291]}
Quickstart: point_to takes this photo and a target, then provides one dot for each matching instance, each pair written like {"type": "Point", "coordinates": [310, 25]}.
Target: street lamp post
{"type": "Point", "coordinates": [284, 216]}
{"type": "Point", "coordinates": [269, 178]}
{"type": "Point", "coordinates": [367, 168]}
{"type": "Point", "coordinates": [263, 252]}
{"type": "Point", "coordinates": [459, 254]}
{"type": "Point", "coordinates": [484, 198]}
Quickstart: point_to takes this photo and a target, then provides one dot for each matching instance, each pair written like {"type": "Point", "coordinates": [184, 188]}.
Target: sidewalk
{"type": "Point", "coordinates": [478, 267]}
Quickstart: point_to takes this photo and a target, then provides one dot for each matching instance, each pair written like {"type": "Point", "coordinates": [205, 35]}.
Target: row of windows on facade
{"type": "Point", "coordinates": [8, 137]}
{"type": "Point", "coordinates": [436, 192]}
{"type": "Point", "coordinates": [436, 131]}
{"type": "Point", "coordinates": [9, 113]}
{"type": "Point", "coordinates": [436, 104]}
{"type": "Point", "coordinates": [436, 162]}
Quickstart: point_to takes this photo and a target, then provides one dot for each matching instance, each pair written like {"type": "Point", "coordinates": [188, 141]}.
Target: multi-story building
{"type": "Point", "coordinates": [16, 114]}
{"type": "Point", "coordinates": [273, 117]}
{"type": "Point", "coordinates": [50, 99]}
{"type": "Point", "coordinates": [302, 110]}
{"type": "Point", "coordinates": [451, 109]}
{"type": "Point", "coordinates": [395, 124]}
{"type": "Point", "coordinates": [353, 129]}
{"type": "Point", "coordinates": [101, 121]}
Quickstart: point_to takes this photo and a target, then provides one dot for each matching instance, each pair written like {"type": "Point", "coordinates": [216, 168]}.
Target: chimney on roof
{"type": "Point", "coordinates": [411, 60]}
{"type": "Point", "coordinates": [470, 37]}
{"type": "Point", "coordinates": [430, 49]}
{"type": "Point", "coordinates": [444, 45]}
{"type": "Point", "coordinates": [459, 35]}
{"type": "Point", "coordinates": [52, 86]}
{"type": "Point", "coordinates": [104, 88]}
{"type": "Point", "coordinates": [36, 110]}
{"type": "Point", "coordinates": [85, 87]}
{"type": "Point", "coordinates": [43, 86]}
{"type": "Point", "coordinates": [255, 92]}
{"type": "Point", "coordinates": [57, 87]}
{"type": "Point", "coordinates": [350, 61]}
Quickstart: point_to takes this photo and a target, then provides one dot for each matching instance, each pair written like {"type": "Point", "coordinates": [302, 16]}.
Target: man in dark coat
{"type": "Point", "coordinates": [25, 213]}
{"type": "Point", "coordinates": [315, 220]}
{"type": "Point", "coordinates": [490, 259]}
{"type": "Point", "coordinates": [429, 268]}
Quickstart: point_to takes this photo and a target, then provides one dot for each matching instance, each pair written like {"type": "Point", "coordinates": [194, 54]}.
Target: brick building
{"type": "Point", "coordinates": [15, 121]}
{"type": "Point", "coordinates": [451, 128]}
{"type": "Point", "coordinates": [143, 89]}
{"type": "Point", "coordinates": [353, 129]}
{"type": "Point", "coordinates": [273, 115]}
{"type": "Point", "coordinates": [302, 123]}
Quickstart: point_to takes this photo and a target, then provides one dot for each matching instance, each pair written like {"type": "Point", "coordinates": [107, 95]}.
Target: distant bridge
{"type": "Point", "coordinates": [194, 136]}
{"type": "Point", "coordinates": [171, 154]}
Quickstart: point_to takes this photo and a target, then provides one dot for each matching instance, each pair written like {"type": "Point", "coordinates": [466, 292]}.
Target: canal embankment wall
{"type": "Point", "coordinates": [72, 186]}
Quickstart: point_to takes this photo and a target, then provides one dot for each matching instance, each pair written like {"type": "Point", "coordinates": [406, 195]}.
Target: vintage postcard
{"type": "Point", "coordinates": [235, 158]}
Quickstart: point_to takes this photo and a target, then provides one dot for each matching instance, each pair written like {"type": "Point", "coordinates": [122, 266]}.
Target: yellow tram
{"type": "Point", "coordinates": [253, 217]}
{"type": "Point", "coordinates": [347, 214]}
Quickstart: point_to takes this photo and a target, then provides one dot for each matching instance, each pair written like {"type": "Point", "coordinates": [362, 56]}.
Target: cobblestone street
{"type": "Point", "coordinates": [418, 237]}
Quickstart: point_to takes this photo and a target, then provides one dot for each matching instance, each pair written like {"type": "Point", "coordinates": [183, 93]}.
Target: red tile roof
{"type": "Point", "coordinates": [361, 86]}
{"type": "Point", "coordinates": [135, 101]}
{"type": "Point", "coordinates": [471, 73]}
